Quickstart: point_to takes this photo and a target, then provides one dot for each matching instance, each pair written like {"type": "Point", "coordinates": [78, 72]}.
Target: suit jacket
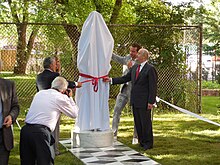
{"type": "Point", "coordinates": [122, 60]}
{"type": "Point", "coordinates": [125, 88]}
{"type": "Point", "coordinates": [9, 107]}
{"type": "Point", "coordinates": [44, 80]}
{"type": "Point", "coordinates": [144, 88]}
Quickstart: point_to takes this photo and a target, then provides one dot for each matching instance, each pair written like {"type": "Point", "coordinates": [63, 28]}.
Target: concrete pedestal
{"type": "Point", "coordinates": [92, 139]}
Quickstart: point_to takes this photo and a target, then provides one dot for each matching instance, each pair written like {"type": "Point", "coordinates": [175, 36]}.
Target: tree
{"type": "Point", "coordinates": [18, 14]}
{"type": "Point", "coordinates": [70, 13]}
{"type": "Point", "coordinates": [73, 13]}
{"type": "Point", "coordinates": [212, 25]}
{"type": "Point", "coordinates": [164, 41]}
{"type": "Point", "coordinates": [209, 16]}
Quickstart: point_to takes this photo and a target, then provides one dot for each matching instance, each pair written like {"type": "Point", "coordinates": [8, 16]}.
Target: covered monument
{"type": "Point", "coordinates": [95, 49]}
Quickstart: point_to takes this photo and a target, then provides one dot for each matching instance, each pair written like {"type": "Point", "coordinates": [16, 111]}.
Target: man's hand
{"type": "Point", "coordinates": [129, 64]}
{"type": "Point", "coordinates": [7, 121]}
{"type": "Point", "coordinates": [69, 92]}
{"type": "Point", "coordinates": [149, 106]}
{"type": "Point", "coordinates": [79, 85]}
{"type": "Point", "coordinates": [106, 79]}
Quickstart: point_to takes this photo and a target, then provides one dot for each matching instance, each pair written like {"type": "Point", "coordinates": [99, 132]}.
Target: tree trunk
{"type": "Point", "coordinates": [74, 34]}
{"type": "Point", "coordinates": [23, 49]}
{"type": "Point", "coordinates": [116, 10]}
{"type": "Point", "coordinates": [21, 59]}
{"type": "Point", "coordinates": [98, 6]}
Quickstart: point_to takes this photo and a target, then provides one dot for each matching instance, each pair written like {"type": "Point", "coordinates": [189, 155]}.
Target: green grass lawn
{"type": "Point", "coordinates": [211, 105]}
{"type": "Point", "coordinates": [178, 138]}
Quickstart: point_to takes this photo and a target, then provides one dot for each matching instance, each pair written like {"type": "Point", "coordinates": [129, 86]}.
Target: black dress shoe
{"type": "Point", "coordinates": [146, 147]}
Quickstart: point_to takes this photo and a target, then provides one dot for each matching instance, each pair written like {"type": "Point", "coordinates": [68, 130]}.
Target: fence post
{"type": "Point", "coordinates": [200, 70]}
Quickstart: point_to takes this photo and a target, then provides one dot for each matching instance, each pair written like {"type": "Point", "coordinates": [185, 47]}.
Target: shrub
{"type": "Point", "coordinates": [210, 85]}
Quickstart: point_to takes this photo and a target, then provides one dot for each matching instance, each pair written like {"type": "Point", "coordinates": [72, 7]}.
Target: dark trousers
{"type": "Point", "coordinates": [142, 119]}
{"type": "Point", "coordinates": [56, 135]}
{"type": "Point", "coordinates": [4, 154]}
{"type": "Point", "coordinates": [36, 145]}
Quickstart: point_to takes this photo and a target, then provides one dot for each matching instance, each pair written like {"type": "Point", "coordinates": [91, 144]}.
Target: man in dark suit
{"type": "Point", "coordinates": [44, 80]}
{"type": "Point", "coordinates": [51, 71]}
{"type": "Point", "coordinates": [9, 110]}
{"type": "Point", "coordinates": [143, 77]}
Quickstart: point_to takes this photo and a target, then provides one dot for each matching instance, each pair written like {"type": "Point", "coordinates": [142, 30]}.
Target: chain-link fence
{"type": "Point", "coordinates": [24, 46]}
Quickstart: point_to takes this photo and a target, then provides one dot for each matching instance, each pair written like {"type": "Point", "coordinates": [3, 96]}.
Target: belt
{"type": "Point", "coordinates": [39, 126]}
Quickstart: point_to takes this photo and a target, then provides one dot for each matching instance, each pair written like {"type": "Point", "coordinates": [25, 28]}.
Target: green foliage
{"type": "Point", "coordinates": [165, 45]}
{"type": "Point", "coordinates": [157, 12]}
{"type": "Point", "coordinates": [75, 12]}
{"type": "Point", "coordinates": [211, 23]}
{"type": "Point", "coordinates": [208, 15]}
{"type": "Point", "coordinates": [210, 85]}
{"type": "Point", "coordinates": [176, 90]}
{"type": "Point", "coordinates": [163, 42]}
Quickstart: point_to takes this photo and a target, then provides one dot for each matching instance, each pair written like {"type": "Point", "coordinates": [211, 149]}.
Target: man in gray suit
{"type": "Point", "coordinates": [9, 110]}
{"type": "Point", "coordinates": [123, 97]}
{"type": "Point", "coordinates": [143, 77]}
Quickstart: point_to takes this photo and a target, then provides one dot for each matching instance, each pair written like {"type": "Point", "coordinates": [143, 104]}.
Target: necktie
{"type": "Point", "coordinates": [138, 71]}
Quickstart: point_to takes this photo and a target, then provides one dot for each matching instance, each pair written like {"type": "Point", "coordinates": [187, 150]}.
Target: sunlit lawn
{"type": "Point", "coordinates": [178, 138]}
{"type": "Point", "coordinates": [211, 105]}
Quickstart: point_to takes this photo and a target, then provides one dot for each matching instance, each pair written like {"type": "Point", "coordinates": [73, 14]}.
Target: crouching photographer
{"type": "Point", "coordinates": [36, 140]}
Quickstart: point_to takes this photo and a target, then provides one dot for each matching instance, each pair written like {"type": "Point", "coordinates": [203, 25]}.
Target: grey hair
{"type": "Point", "coordinates": [145, 52]}
{"type": "Point", "coordinates": [59, 83]}
{"type": "Point", "coordinates": [48, 61]}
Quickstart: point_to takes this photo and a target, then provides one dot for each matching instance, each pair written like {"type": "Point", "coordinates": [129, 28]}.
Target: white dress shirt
{"type": "Point", "coordinates": [142, 65]}
{"type": "Point", "coordinates": [47, 106]}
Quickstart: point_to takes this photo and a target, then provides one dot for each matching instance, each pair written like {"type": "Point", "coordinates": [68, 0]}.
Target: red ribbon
{"type": "Point", "coordinates": [94, 80]}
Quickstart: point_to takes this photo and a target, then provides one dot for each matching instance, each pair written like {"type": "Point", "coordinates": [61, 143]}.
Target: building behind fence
{"type": "Point", "coordinates": [177, 83]}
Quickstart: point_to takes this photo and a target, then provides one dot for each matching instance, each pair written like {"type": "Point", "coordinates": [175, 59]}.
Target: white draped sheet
{"type": "Point", "coordinates": [95, 49]}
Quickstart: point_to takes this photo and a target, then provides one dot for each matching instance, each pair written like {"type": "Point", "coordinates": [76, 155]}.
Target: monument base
{"type": "Point", "coordinates": [92, 139]}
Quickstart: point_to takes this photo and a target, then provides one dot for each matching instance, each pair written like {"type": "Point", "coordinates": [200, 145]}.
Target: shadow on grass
{"type": "Point", "coordinates": [178, 140]}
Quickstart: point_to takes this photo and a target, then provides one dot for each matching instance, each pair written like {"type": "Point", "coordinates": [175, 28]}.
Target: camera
{"type": "Point", "coordinates": [67, 92]}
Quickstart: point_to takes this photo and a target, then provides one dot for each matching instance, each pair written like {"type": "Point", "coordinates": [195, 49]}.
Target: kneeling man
{"type": "Point", "coordinates": [36, 141]}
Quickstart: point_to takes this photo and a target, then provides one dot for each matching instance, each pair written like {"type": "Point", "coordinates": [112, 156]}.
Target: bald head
{"type": "Point", "coordinates": [143, 55]}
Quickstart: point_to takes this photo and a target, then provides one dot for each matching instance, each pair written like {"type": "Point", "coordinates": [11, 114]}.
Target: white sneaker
{"type": "Point", "coordinates": [115, 138]}
{"type": "Point", "coordinates": [135, 141]}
